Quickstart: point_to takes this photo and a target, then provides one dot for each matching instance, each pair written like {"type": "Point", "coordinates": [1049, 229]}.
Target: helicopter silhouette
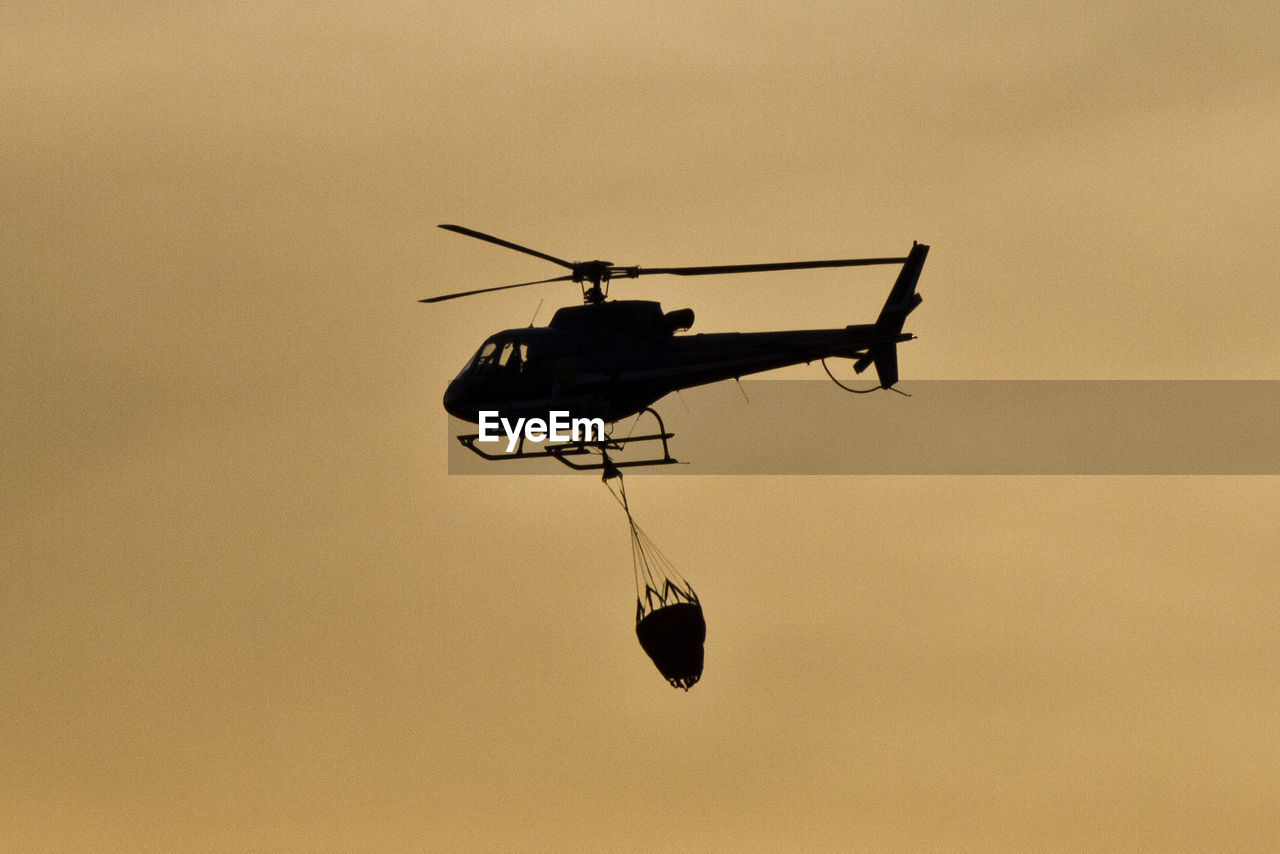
{"type": "Point", "coordinates": [610, 360]}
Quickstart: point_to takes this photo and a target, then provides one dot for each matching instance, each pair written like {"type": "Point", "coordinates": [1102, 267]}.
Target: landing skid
{"type": "Point", "coordinates": [566, 452]}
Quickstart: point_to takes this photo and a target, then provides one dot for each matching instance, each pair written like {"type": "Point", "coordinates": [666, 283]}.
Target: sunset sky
{"type": "Point", "coordinates": [244, 606]}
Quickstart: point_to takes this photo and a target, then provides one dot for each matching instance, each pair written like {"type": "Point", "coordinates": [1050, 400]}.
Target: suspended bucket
{"type": "Point", "coordinates": [669, 621]}
{"type": "Point", "coordinates": [672, 637]}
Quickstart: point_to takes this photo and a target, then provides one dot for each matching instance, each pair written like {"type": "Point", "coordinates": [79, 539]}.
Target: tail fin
{"type": "Point", "coordinates": [902, 301]}
{"type": "Point", "coordinates": [903, 298]}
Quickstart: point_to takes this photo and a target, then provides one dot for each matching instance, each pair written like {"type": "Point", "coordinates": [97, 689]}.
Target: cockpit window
{"type": "Point", "coordinates": [514, 355]}
{"type": "Point", "coordinates": [509, 356]}
{"type": "Point", "coordinates": [488, 353]}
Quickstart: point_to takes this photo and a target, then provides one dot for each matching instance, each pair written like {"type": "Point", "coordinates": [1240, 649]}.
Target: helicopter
{"type": "Point", "coordinates": [606, 361]}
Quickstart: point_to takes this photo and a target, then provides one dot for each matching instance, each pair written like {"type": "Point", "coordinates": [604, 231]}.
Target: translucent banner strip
{"type": "Point", "coordinates": [1056, 427]}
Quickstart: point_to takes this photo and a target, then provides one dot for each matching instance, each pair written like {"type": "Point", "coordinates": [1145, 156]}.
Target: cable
{"type": "Point", "coordinates": [658, 582]}
{"type": "Point", "coordinates": [859, 390]}
{"type": "Point", "coordinates": [845, 387]}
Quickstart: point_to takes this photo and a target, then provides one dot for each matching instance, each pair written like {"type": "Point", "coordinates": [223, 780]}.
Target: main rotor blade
{"type": "Point", "coordinates": [479, 235]}
{"type": "Point", "coordinates": [498, 288]}
{"type": "Point", "coordinates": [762, 268]}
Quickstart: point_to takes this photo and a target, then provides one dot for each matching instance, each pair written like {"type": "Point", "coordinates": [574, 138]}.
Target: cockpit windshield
{"type": "Point", "coordinates": [486, 355]}
{"type": "Point", "coordinates": [499, 355]}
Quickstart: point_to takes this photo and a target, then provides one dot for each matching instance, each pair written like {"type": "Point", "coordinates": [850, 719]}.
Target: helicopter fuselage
{"type": "Point", "coordinates": [612, 360]}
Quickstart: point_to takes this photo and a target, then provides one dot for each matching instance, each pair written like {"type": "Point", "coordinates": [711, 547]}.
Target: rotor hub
{"type": "Point", "coordinates": [595, 273]}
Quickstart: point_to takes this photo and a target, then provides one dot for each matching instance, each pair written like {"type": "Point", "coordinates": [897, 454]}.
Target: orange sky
{"type": "Point", "coordinates": [245, 608]}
